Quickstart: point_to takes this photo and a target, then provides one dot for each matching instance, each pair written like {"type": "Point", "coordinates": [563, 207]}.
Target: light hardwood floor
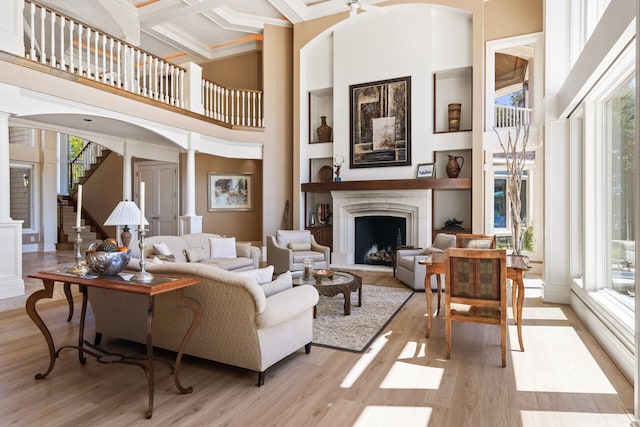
{"type": "Point", "coordinates": [563, 378]}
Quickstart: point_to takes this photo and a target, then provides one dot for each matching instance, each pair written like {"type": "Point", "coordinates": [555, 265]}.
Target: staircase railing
{"type": "Point", "coordinates": [83, 162]}
{"type": "Point", "coordinates": [59, 41]}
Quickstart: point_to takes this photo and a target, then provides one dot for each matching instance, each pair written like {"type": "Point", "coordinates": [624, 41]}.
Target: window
{"type": "Point", "coordinates": [619, 187]}
{"type": "Point", "coordinates": [21, 199]}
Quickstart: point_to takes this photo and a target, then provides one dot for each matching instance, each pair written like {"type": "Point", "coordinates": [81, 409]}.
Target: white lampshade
{"type": "Point", "coordinates": [125, 213]}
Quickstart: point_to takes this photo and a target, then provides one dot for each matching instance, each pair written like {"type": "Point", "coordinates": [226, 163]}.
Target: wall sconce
{"type": "Point", "coordinates": [25, 179]}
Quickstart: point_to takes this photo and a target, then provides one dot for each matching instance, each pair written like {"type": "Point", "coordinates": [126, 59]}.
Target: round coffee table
{"type": "Point", "coordinates": [340, 282]}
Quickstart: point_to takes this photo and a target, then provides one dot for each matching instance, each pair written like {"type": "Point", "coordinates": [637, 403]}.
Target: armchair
{"type": "Point", "coordinates": [288, 249]}
{"type": "Point", "coordinates": [409, 271]}
{"type": "Point", "coordinates": [476, 241]}
{"type": "Point", "coordinates": [476, 290]}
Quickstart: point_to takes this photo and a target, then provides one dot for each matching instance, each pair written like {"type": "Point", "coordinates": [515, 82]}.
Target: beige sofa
{"type": "Point", "coordinates": [240, 325]}
{"type": "Point", "coordinates": [197, 248]}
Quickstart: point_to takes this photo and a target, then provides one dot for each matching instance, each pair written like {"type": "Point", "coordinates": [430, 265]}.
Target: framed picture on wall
{"type": "Point", "coordinates": [380, 127]}
{"type": "Point", "coordinates": [229, 191]}
{"type": "Point", "coordinates": [426, 170]}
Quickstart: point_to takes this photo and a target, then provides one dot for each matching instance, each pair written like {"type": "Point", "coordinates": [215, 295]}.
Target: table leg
{"type": "Point", "coordinates": [194, 306]}
{"type": "Point", "coordinates": [439, 284]}
{"type": "Point", "coordinates": [347, 302]}
{"type": "Point", "coordinates": [83, 315]}
{"type": "Point", "coordinates": [47, 292]}
{"type": "Point", "coordinates": [150, 376]}
{"type": "Point", "coordinates": [67, 294]}
{"type": "Point", "coordinates": [360, 295]}
{"type": "Point", "coordinates": [519, 283]}
{"type": "Point", "coordinates": [429, 294]}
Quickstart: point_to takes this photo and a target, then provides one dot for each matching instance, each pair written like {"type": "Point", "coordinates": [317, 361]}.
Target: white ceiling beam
{"type": "Point", "coordinates": [174, 11]}
{"type": "Point", "coordinates": [239, 21]}
{"type": "Point", "coordinates": [180, 42]}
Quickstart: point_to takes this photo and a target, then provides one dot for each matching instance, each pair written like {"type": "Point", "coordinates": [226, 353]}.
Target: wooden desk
{"type": "Point", "coordinates": [159, 285]}
{"type": "Point", "coordinates": [516, 267]}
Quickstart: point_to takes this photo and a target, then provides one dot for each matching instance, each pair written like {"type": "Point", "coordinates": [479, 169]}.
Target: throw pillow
{"type": "Point", "coordinates": [194, 254]}
{"type": "Point", "coordinates": [299, 246]}
{"type": "Point", "coordinates": [223, 247]}
{"type": "Point", "coordinates": [282, 283]}
{"type": "Point", "coordinates": [161, 248]}
{"type": "Point", "coordinates": [260, 275]}
{"type": "Point", "coordinates": [444, 241]}
{"type": "Point", "coordinates": [243, 250]}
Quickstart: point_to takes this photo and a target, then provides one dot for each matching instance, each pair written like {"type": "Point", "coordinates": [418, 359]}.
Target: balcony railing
{"type": "Point", "coordinates": [507, 116]}
{"type": "Point", "coordinates": [56, 40]}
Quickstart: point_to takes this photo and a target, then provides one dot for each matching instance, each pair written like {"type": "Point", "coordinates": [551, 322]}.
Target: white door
{"type": "Point", "coordinates": [161, 196]}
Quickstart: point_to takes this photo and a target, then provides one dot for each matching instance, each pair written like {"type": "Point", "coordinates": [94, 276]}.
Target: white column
{"type": "Point", "coordinates": [49, 200]}
{"type": "Point", "coordinates": [11, 283]}
{"type": "Point", "coordinates": [190, 222]}
{"type": "Point", "coordinates": [127, 175]}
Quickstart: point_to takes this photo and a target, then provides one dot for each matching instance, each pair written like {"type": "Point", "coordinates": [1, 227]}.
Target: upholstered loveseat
{"type": "Point", "coordinates": [240, 326]}
{"type": "Point", "coordinates": [205, 248]}
{"type": "Point", "coordinates": [409, 270]}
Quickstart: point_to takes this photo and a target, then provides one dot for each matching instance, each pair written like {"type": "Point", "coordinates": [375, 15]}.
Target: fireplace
{"type": "Point", "coordinates": [411, 206]}
{"type": "Point", "coordinates": [376, 238]}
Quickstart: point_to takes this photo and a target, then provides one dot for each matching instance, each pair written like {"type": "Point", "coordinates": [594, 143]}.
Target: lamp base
{"type": "Point", "coordinates": [125, 236]}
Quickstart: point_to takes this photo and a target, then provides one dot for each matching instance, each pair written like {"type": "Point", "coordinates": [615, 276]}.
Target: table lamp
{"type": "Point", "coordinates": [125, 213]}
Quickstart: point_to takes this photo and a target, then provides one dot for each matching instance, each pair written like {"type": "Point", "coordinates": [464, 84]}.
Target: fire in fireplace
{"type": "Point", "coordinates": [376, 238]}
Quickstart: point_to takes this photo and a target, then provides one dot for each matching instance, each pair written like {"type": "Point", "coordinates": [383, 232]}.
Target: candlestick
{"type": "Point", "coordinates": [142, 276]}
{"type": "Point", "coordinates": [78, 267]}
{"type": "Point", "coordinates": [142, 204]}
{"type": "Point", "coordinates": [79, 206]}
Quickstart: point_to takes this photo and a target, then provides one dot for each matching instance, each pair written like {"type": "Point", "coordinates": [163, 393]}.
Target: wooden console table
{"type": "Point", "coordinates": [516, 267]}
{"type": "Point", "coordinates": [159, 285]}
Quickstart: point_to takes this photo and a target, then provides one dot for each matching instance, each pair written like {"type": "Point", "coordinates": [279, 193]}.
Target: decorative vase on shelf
{"type": "Point", "coordinates": [454, 117]}
{"type": "Point", "coordinates": [324, 131]}
{"type": "Point", "coordinates": [453, 166]}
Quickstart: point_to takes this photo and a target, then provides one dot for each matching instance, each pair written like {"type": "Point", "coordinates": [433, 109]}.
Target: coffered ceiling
{"type": "Point", "coordinates": [196, 30]}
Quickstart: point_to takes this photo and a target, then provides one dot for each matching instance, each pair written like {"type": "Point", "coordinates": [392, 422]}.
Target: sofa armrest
{"type": "Point", "coordinates": [410, 252]}
{"type": "Point", "coordinates": [286, 305]}
{"type": "Point", "coordinates": [255, 256]}
{"type": "Point", "coordinates": [281, 258]}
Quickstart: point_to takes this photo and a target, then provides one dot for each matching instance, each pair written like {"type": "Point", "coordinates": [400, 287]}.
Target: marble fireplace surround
{"type": "Point", "coordinates": [413, 205]}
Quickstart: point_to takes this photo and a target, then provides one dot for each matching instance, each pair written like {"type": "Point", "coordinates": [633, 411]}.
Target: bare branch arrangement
{"type": "Point", "coordinates": [515, 157]}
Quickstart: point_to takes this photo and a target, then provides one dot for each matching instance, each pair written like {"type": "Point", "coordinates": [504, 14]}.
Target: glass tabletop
{"type": "Point", "coordinates": [337, 278]}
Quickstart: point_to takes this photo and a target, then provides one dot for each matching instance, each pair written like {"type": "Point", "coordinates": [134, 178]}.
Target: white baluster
{"type": "Point", "coordinates": [125, 54]}
{"type": "Point", "coordinates": [111, 79]}
{"type": "Point", "coordinates": [156, 82]}
{"type": "Point", "coordinates": [71, 59]}
{"type": "Point", "coordinates": [145, 92]}
{"type": "Point", "coordinates": [32, 32]}
{"type": "Point", "coordinates": [43, 46]}
{"type": "Point", "coordinates": [119, 63]}
{"type": "Point", "coordinates": [96, 57]}
{"type": "Point", "coordinates": [105, 70]}
{"type": "Point", "coordinates": [52, 57]}
{"type": "Point", "coordinates": [260, 122]}
{"type": "Point", "coordinates": [62, 23]}
{"type": "Point", "coordinates": [137, 67]}
{"type": "Point", "coordinates": [89, 53]}
{"type": "Point", "coordinates": [171, 84]}
{"type": "Point", "coordinates": [80, 32]}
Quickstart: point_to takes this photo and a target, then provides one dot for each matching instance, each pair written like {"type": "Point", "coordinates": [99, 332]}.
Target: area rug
{"type": "Point", "coordinates": [331, 328]}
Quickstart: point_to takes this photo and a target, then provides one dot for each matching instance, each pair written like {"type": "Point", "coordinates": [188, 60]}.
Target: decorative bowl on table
{"type": "Point", "coordinates": [321, 274]}
{"type": "Point", "coordinates": [107, 259]}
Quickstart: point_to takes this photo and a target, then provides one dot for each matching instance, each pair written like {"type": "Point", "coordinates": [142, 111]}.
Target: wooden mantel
{"type": "Point", "coordinates": [390, 184]}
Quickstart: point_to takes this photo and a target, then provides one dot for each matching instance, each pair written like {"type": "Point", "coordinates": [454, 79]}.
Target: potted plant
{"type": "Point", "coordinates": [515, 155]}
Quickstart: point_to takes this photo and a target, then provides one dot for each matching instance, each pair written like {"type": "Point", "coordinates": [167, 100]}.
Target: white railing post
{"type": "Point", "coordinates": [52, 56]}
{"type": "Point", "coordinates": [80, 69]}
{"type": "Point", "coordinates": [62, 61]}
{"type": "Point", "coordinates": [71, 61]}
{"type": "Point", "coordinates": [43, 46]}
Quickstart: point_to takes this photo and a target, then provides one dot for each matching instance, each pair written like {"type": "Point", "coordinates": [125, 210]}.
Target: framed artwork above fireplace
{"type": "Point", "coordinates": [380, 126]}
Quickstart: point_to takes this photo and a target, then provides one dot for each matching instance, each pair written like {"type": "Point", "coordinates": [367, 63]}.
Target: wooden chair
{"type": "Point", "coordinates": [476, 290]}
{"type": "Point", "coordinates": [476, 241]}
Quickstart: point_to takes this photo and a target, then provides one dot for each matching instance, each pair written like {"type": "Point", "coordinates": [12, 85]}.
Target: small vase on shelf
{"type": "Point", "coordinates": [453, 166]}
{"type": "Point", "coordinates": [454, 117]}
{"type": "Point", "coordinates": [324, 131]}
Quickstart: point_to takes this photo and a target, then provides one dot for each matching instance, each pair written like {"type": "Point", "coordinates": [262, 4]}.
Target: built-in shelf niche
{"type": "Point", "coordinates": [453, 203]}
{"type": "Point", "coordinates": [452, 86]}
{"type": "Point", "coordinates": [312, 200]}
{"type": "Point", "coordinates": [320, 104]}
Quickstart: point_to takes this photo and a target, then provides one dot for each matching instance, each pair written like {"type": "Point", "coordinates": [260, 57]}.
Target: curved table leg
{"type": "Point", "coordinates": [67, 293]}
{"type": "Point", "coordinates": [439, 283]}
{"type": "Point", "coordinates": [83, 316]}
{"type": "Point", "coordinates": [194, 306]}
{"type": "Point", "coordinates": [47, 292]}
